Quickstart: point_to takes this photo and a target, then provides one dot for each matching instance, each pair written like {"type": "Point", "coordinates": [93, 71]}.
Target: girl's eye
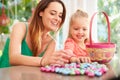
{"type": "Point", "coordinates": [75, 28]}
{"type": "Point", "coordinates": [84, 29]}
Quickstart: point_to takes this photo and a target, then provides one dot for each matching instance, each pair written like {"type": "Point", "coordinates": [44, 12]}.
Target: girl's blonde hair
{"type": "Point", "coordinates": [78, 14]}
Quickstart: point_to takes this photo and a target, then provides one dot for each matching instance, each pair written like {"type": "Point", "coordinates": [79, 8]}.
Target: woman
{"type": "Point", "coordinates": [30, 44]}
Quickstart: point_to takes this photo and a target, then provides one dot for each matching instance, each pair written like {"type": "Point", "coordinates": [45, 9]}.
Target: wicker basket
{"type": "Point", "coordinates": [101, 52]}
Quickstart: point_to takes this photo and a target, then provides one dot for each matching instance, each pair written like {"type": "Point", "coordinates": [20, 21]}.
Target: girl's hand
{"type": "Point", "coordinates": [80, 59]}
{"type": "Point", "coordinates": [84, 59]}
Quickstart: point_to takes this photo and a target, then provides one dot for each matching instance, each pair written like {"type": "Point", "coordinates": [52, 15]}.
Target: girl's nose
{"type": "Point", "coordinates": [80, 31]}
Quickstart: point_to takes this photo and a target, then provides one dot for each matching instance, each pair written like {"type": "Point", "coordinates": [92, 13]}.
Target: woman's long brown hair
{"type": "Point", "coordinates": [36, 26]}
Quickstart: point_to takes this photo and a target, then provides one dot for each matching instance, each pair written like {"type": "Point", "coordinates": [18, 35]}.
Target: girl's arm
{"type": "Point", "coordinates": [69, 47]}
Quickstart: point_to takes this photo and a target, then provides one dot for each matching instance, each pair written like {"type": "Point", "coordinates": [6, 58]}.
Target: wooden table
{"type": "Point", "coordinates": [34, 73]}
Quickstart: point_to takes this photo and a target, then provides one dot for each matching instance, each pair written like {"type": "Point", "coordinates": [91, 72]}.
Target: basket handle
{"type": "Point", "coordinates": [108, 24]}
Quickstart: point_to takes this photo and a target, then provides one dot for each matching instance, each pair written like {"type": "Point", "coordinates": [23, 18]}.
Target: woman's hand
{"type": "Point", "coordinates": [57, 58]}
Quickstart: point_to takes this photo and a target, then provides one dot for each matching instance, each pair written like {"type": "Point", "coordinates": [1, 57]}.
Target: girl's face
{"type": "Point", "coordinates": [79, 29]}
{"type": "Point", "coordinates": [52, 16]}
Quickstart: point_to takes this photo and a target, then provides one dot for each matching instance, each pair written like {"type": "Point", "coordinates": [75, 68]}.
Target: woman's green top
{"type": "Point", "coordinates": [25, 50]}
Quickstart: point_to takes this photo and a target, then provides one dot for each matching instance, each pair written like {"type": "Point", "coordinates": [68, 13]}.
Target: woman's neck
{"type": "Point", "coordinates": [45, 35]}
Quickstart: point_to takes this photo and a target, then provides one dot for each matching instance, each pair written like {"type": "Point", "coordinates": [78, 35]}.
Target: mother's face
{"type": "Point", "coordinates": [52, 16]}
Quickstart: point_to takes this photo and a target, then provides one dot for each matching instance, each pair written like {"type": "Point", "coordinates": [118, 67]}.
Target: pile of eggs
{"type": "Point", "coordinates": [89, 69]}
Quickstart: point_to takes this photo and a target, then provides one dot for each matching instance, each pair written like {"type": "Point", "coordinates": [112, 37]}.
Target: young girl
{"type": "Point", "coordinates": [77, 37]}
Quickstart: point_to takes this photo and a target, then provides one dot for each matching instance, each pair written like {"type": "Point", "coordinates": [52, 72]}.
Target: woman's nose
{"type": "Point", "coordinates": [57, 18]}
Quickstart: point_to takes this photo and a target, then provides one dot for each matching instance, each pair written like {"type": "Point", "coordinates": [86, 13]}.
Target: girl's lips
{"type": "Point", "coordinates": [80, 36]}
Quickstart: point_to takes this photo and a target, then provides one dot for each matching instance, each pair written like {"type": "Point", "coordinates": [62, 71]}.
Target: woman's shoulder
{"type": "Point", "coordinates": [19, 26]}
{"type": "Point", "coordinates": [18, 29]}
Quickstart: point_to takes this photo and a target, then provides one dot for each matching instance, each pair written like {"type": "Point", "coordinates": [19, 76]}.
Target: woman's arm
{"type": "Point", "coordinates": [54, 57]}
{"type": "Point", "coordinates": [16, 37]}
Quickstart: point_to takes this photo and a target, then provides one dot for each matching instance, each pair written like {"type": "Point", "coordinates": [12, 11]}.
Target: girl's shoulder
{"type": "Point", "coordinates": [69, 40]}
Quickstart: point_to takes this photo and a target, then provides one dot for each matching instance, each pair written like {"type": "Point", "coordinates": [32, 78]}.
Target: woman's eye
{"type": "Point", "coordinates": [52, 13]}
{"type": "Point", "coordinates": [60, 16]}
